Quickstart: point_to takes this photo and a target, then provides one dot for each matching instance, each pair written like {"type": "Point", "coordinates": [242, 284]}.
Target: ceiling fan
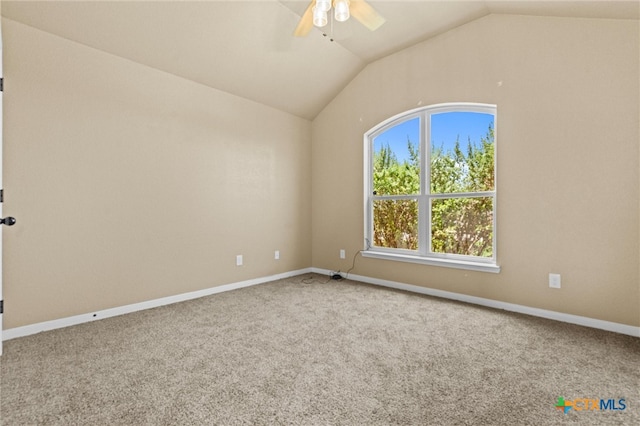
{"type": "Point", "coordinates": [317, 12]}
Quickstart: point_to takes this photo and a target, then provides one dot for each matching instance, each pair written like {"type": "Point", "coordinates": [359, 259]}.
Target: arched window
{"type": "Point", "coordinates": [430, 187]}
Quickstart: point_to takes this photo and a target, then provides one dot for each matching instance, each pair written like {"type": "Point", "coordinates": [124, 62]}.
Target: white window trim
{"type": "Point", "coordinates": [425, 256]}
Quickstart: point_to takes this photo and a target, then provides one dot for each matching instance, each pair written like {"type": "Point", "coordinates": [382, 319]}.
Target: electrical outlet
{"type": "Point", "coordinates": [342, 254]}
{"type": "Point", "coordinates": [239, 260]}
{"type": "Point", "coordinates": [554, 281]}
{"type": "Point", "coordinates": [277, 255]}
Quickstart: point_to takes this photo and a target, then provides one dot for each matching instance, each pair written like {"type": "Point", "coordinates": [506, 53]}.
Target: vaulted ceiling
{"type": "Point", "coordinates": [247, 48]}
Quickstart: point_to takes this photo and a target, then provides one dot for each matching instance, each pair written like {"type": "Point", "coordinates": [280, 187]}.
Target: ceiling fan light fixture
{"type": "Point", "coordinates": [319, 17]}
{"type": "Point", "coordinates": [341, 10]}
{"type": "Point", "coordinates": [324, 5]}
{"type": "Point", "coordinates": [316, 15]}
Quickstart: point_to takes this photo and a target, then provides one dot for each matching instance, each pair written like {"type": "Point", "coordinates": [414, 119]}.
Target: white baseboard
{"type": "Point", "coordinates": [543, 313]}
{"type": "Point", "coordinates": [27, 330]}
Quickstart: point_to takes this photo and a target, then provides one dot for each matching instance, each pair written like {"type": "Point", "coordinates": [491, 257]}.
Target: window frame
{"type": "Point", "coordinates": [424, 254]}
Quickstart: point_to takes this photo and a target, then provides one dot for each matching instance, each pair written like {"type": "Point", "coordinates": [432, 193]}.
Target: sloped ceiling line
{"type": "Point", "coordinates": [247, 48]}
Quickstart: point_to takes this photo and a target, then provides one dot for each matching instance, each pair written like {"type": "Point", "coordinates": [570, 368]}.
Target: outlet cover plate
{"type": "Point", "coordinates": [555, 281]}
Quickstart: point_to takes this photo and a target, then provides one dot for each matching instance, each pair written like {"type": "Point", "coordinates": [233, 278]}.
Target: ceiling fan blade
{"type": "Point", "coordinates": [306, 22]}
{"type": "Point", "coordinates": [363, 12]}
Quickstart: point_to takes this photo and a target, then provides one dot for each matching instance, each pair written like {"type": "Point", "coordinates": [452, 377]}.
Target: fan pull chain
{"type": "Point", "coordinates": [325, 34]}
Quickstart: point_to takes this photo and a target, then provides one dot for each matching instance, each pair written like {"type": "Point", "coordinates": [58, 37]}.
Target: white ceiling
{"type": "Point", "coordinates": [247, 48]}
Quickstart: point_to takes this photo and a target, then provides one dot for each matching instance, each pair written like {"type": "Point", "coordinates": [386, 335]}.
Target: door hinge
{"type": "Point", "coordinates": [1, 195]}
{"type": "Point", "coordinates": [1, 306]}
{"type": "Point", "coordinates": [1, 84]}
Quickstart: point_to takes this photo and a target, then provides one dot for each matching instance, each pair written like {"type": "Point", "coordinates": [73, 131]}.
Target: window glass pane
{"type": "Point", "coordinates": [395, 224]}
{"type": "Point", "coordinates": [462, 226]}
{"type": "Point", "coordinates": [462, 148]}
{"type": "Point", "coordinates": [396, 159]}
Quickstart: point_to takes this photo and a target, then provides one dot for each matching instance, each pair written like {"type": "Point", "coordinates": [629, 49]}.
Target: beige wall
{"type": "Point", "coordinates": [130, 184]}
{"type": "Point", "coordinates": [568, 100]}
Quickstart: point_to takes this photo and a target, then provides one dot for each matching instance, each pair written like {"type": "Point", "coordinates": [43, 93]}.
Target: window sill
{"type": "Point", "coordinates": [447, 263]}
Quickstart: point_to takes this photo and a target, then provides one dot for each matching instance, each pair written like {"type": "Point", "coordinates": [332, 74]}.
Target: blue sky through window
{"type": "Point", "coordinates": [445, 128]}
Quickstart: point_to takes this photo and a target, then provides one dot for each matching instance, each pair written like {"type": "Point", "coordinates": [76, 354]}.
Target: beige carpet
{"type": "Point", "coordinates": [311, 351]}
